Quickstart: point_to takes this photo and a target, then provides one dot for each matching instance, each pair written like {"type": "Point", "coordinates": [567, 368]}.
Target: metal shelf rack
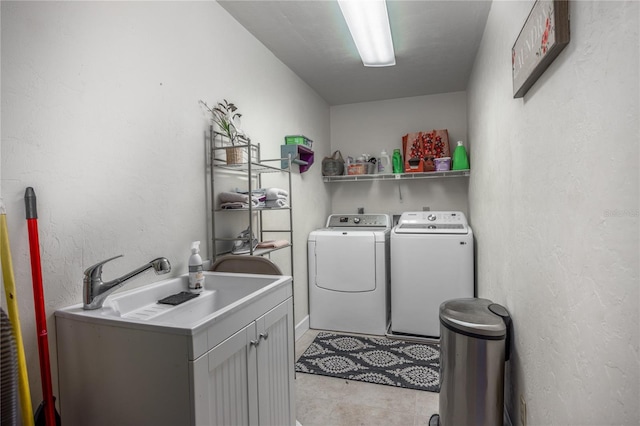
{"type": "Point", "coordinates": [251, 171]}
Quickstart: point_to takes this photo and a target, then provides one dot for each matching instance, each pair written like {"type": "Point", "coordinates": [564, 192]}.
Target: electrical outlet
{"type": "Point", "coordinates": [426, 209]}
{"type": "Point", "coordinates": [523, 411]}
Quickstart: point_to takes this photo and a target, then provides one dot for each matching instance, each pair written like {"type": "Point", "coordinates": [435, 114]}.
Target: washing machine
{"type": "Point", "coordinates": [349, 274]}
{"type": "Point", "coordinates": [431, 262]}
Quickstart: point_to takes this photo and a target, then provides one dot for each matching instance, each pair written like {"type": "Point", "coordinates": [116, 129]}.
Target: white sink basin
{"type": "Point", "coordinates": [203, 362]}
{"type": "Point", "coordinates": [223, 294]}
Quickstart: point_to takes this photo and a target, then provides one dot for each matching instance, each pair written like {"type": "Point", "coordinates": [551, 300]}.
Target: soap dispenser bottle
{"type": "Point", "coordinates": [460, 159]}
{"type": "Point", "coordinates": [384, 162]}
{"type": "Point", "coordinates": [196, 276]}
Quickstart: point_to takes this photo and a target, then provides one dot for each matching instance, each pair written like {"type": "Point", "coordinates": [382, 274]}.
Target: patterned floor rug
{"type": "Point", "coordinates": [374, 360]}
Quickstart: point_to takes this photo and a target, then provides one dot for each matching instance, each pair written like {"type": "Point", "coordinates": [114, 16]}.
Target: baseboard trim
{"type": "Point", "coordinates": [302, 327]}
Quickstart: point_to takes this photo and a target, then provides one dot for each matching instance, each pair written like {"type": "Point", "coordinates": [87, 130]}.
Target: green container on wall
{"type": "Point", "coordinates": [298, 140]}
{"type": "Point", "coordinates": [460, 159]}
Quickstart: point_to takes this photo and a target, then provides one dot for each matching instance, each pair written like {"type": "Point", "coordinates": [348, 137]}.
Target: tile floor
{"type": "Point", "coordinates": [329, 401]}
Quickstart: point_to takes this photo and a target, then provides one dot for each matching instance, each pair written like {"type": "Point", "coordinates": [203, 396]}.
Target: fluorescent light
{"type": "Point", "coordinates": [368, 23]}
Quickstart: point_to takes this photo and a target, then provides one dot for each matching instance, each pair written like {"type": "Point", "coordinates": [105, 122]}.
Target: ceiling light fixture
{"type": "Point", "coordinates": [368, 22]}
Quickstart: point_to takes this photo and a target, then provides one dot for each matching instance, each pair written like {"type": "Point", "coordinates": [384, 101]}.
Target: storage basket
{"type": "Point", "coordinates": [235, 155]}
{"type": "Point", "coordinates": [334, 165]}
{"type": "Point", "coordinates": [298, 140]}
{"type": "Point", "coordinates": [357, 169]}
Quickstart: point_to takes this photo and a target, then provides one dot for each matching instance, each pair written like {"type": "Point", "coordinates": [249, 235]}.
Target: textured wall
{"type": "Point", "coordinates": [553, 200]}
{"type": "Point", "coordinates": [100, 115]}
{"type": "Point", "coordinates": [370, 127]}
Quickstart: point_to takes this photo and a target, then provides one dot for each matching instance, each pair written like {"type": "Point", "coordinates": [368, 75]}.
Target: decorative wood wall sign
{"type": "Point", "coordinates": [544, 34]}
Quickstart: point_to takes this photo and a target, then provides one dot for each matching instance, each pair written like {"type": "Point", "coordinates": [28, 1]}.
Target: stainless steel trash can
{"type": "Point", "coordinates": [475, 337]}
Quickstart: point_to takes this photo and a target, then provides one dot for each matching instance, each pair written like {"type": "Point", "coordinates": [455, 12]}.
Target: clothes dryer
{"type": "Point", "coordinates": [431, 262]}
{"type": "Point", "coordinates": [349, 274]}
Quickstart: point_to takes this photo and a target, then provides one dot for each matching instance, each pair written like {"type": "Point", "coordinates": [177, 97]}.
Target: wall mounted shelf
{"type": "Point", "coordinates": [398, 176]}
{"type": "Point", "coordinates": [300, 155]}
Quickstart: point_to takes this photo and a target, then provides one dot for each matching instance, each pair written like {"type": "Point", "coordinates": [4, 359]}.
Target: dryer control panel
{"type": "Point", "coordinates": [359, 221]}
{"type": "Point", "coordinates": [432, 222]}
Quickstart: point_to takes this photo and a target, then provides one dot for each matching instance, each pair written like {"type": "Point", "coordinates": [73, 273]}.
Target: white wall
{"type": "Point", "coordinates": [100, 115]}
{"type": "Point", "coordinates": [554, 205]}
{"type": "Point", "coordinates": [370, 127]}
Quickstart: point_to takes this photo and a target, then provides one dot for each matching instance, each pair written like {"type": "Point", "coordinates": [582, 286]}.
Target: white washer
{"type": "Point", "coordinates": [431, 262]}
{"type": "Point", "coordinates": [349, 274]}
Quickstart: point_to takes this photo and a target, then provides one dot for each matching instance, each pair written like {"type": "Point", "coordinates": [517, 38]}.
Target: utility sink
{"type": "Point", "coordinates": [223, 294]}
{"type": "Point", "coordinates": [223, 357]}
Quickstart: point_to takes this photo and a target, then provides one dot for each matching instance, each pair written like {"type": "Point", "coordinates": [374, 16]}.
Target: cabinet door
{"type": "Point", "coordinates": [276, 398]}
{"type": "Point", "coordinates": [224, 382]}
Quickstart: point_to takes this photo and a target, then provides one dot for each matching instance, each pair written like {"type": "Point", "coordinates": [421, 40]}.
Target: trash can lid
{"type": "Point", "coordinates": [473, 316]}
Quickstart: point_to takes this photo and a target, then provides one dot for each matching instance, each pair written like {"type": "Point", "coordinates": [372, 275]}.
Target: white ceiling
{"type": "Point", "coordinates": [435, 45]}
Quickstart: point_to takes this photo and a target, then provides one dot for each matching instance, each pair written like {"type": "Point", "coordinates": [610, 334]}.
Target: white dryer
{"type": "Point", "coordinates": [431, 262]}
{"type": "Point", "coordinates": [349, 274]}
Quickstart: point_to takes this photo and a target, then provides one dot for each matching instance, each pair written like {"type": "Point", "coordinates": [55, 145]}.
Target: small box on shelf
{"type": "Point", "coordinates": [298, 140]}
{"type": "Point", "coordinates": [357, 169]}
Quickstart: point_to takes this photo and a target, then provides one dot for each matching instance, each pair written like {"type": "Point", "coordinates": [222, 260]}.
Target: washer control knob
{"type": "Point", "coordinates": [431, 217]}
{"type": "Point", "coordinates": [356, 220]}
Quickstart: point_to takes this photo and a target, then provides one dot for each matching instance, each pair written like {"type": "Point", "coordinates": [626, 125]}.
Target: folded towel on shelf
{"type": "Point", "coordinates": [232, 197]}
{"type": "Point", "coordinates": [278, 204]}
{"type": "Point", "coordinates": [231, 200]}
{"type": "Point", "coordinates": [258, 194]}
{"type": "Point", "coordinates": [276, 193]}
{"type": "Point", "coordinates": [273, 244]}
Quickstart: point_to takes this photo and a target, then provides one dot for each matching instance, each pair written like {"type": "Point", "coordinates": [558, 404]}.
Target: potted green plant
{"type": "Point", "coordinates": [224, 115]}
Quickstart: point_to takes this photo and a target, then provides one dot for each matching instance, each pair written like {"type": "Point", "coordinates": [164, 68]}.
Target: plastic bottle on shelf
{"type": "Point", "coordinates": [384, 162]}
{"type": "Point", "coordinates": [196, 276]}
{"type": "Point", "coordinates": [397, 161]}
{"type": "Point", "coordinates": [460, 159]}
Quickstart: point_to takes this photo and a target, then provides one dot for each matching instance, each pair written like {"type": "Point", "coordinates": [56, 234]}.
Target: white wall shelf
{"type": "Point", "coordinates": [398, 176]}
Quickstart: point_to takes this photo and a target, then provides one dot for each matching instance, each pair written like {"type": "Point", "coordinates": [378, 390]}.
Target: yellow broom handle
{"type": "Point", "coordinates": [12, 305]}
